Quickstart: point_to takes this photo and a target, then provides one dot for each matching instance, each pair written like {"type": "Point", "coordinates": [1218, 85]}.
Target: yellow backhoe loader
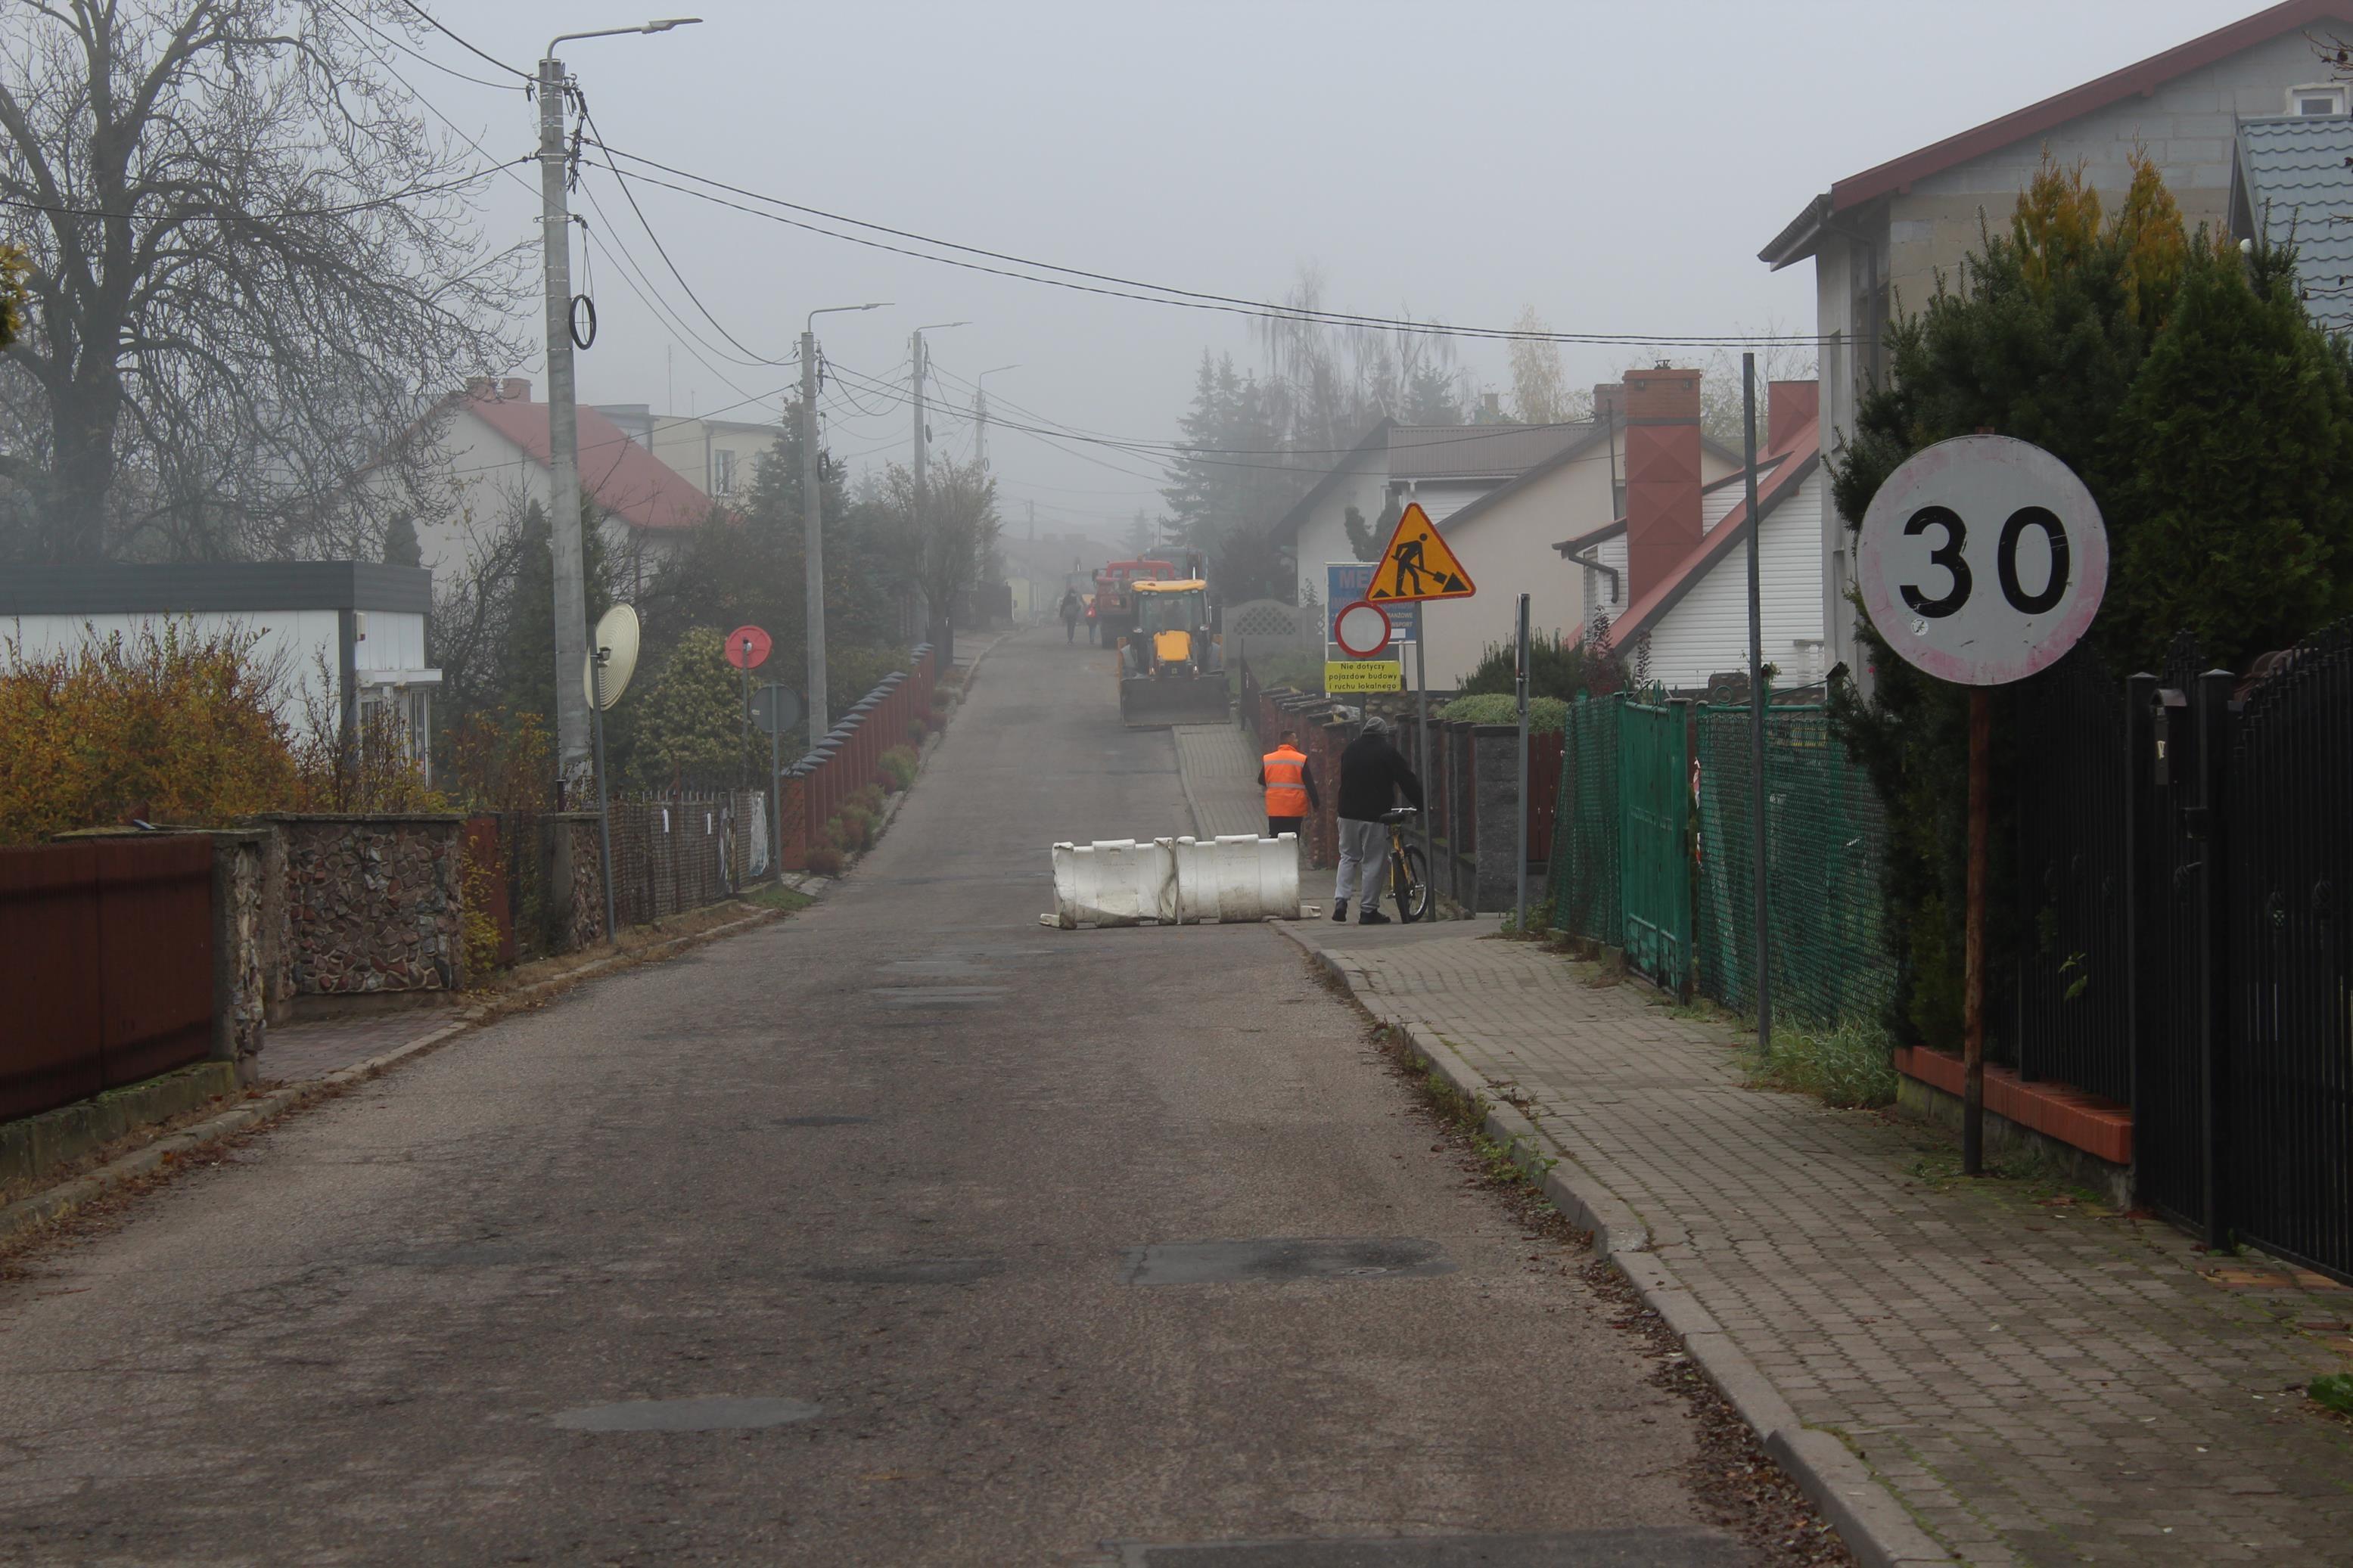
{"type": "Point", "coordinates": [1172, 665]}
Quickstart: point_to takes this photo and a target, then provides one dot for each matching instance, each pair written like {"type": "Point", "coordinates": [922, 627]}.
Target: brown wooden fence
{"type": "Point", "coordinates": [110, 945]}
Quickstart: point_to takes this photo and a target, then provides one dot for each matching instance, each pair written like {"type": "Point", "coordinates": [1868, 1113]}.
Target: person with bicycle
{"type": "Point", "coordinates": [1373, 772]}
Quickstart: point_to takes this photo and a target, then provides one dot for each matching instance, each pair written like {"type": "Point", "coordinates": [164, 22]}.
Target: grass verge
{"type": "Point", "coordinates": [1850, 1065]}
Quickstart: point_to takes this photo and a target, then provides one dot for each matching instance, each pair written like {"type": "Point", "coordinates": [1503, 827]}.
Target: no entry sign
{"type": "Point", "coordinates": [1362, 629]}
{"type": "Point", "coordinates": [1982, 560]}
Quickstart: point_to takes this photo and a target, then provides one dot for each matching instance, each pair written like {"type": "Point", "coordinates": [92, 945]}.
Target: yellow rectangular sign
{"type": "Point", "coordinates": [1362, 675]}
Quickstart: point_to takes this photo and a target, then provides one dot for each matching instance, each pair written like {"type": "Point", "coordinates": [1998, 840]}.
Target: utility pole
{"type": "Point", "coordinates": [917, 358]}
{"type": "Point", "coordinates": [813, 535]}
{"type": "Point", "coordinates": [980, 414]}
{"type": "Point", "coordinates": [571, 607]}
{"type": "Point", "coordinates": [813, 518]}
{"type": "Point", "coordinates": [573, 744]}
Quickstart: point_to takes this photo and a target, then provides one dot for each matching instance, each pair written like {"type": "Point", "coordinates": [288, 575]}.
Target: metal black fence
{"type": "Point", "coordinates": [2287, 1110]}
{"type": "Point", "coordinates": [2073, 1023]}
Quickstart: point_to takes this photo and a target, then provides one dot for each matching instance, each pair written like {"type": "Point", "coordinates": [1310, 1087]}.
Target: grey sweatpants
{"type": "Point", "coordinates": [1363, 861]}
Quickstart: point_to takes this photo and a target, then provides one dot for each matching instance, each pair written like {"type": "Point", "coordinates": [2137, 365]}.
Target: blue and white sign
{"type": "Point", "coordinates": [1345, 583]}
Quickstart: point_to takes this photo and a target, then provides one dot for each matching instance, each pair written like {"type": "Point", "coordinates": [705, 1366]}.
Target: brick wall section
{"type": "Point", "coordinates": [374, 904]}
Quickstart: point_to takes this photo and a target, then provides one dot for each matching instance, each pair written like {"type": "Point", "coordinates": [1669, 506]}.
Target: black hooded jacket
{"type": "Point", "coordinates": [1372, 773]}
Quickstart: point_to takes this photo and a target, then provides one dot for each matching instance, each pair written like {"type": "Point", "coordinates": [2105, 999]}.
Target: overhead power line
{"type": "Point", "coordinates": [391, 198]}
{"type": "Point", "coordinates": [1116, 286]}
{"type": "Point", "coordinates": [443, 28]}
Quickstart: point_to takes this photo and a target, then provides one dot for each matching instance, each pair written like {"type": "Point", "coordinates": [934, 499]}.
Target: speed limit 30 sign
{"type": "Point", "coordinates": [1982, 560]}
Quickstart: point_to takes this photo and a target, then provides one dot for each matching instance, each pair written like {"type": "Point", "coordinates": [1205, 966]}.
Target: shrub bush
{"type": "Point", "coordinates": [169, 724]}
{"type": "Point", "coordinates": [825, 859]}
{"type": "Point", "coordinates": [936, 723]}
{"type": "Point", "coordinates": [870, 797]}
{"type": "Point", "coordinates": [1546, 715]}
{"type": "Point", "coordinates": [899, 767]}
{"type": "Point", "coordinates": [854, 826]}
{"type": "Point", "coordinates": [916, 731]}
{"type": "Point", "coordinates": [941, 697]}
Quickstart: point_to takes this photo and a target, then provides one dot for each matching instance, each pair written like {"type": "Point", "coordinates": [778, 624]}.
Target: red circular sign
{"type": "Point", "coordinates": [1362, 629]}
{"type": "Point", "coordinates": [747, 647]}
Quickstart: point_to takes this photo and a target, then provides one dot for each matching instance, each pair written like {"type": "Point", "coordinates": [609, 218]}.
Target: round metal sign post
{"type": "Point", "coordinates": [1362, 629]}
{"type": "Point", "coordinates": [1982, 560]}
{"type": "Point", "coordinates": [747, 647]}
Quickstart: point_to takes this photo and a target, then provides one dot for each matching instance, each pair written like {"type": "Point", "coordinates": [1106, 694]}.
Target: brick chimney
{"type": "Point", "coordinates": [1663, 516]}
{"type": "Point", "coordinates": [1791, 408]}
{"type": "Point", "coordinates": [480, 386]}
{"type": "Point", "coordinates": [515, 389]}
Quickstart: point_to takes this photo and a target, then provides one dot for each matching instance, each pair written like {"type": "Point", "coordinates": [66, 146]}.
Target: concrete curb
{"type": "Point", "coordinates": [1867, 1515]}
{"type": "Point", "coordinates": [66, 1197]}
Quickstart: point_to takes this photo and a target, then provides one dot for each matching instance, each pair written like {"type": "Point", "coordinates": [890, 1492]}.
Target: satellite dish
{"type": "Point", "coordinates": [617, 633]}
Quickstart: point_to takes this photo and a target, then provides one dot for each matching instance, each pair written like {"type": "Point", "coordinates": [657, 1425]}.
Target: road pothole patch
{"type": "Point", "coordinates": [1670, 1548]}
{"type": "Point", "coordinates": [1279, 1258]}
{"type": "Point", "coordinates": [686, 1415]}
{"type": "Point", "coordinates": [912, 1271]}
{"type": "Point", "coordinates": [822, 1121]}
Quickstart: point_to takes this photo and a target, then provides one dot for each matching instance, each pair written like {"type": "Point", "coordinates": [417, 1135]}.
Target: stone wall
{"type": "Point", "coordinates": [374, 903]}
{"type": "Point", "coordinates": [249, 920]}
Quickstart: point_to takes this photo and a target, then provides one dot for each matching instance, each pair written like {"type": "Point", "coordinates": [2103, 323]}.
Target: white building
{"type": "Point", "coordinates": [1879, 239]}
{"type": "Point", "coordinates": [479, 457]}
{"type": "Point", "coordinates": [341, 638]}
{"type": "Point", "coordinates": [1671, 577]}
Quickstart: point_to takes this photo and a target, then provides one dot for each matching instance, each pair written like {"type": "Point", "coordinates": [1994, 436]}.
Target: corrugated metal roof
{"type": "Point", "coordinates": [1477, 451]}
{"type": "Point", "coordinates": [2299, 186]}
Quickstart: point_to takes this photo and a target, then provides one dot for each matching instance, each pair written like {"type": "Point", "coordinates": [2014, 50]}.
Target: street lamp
{"type": "Point", "coordinates": [980, 413]}
{"type": "Point", "coordinates": [813, 517]}
{"type": "Point", "coordinates": [570, 599]}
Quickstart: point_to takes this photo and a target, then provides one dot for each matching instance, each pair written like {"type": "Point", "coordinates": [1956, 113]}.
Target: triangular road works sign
{"type": "Point", "coordinates": [1416, 564]}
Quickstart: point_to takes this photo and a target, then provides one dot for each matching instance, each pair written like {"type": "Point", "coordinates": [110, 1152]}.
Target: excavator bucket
{"type": "Point", "coordinates": [1146, 703]}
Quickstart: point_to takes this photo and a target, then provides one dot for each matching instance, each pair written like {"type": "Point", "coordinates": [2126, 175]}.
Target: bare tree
{"type": "Point", "coordinates": [942, 536]}
{"type": "Point", "coordinates": [250, 262]}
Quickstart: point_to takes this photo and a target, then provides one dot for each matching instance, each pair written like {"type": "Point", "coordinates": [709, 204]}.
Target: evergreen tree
{"type": "Point", "coordinates": [1360, 535]}
{"type": "Point", "coordinates": [400, 545]}
{"type": "Point", "coordinates": [690, 722]}
{"type": "Point", "coordinates": [2211, 421]}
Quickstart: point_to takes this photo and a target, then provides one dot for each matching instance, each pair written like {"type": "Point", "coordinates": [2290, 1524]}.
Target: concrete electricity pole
{"type": "Point", "coordinates": [936, 614]}
{"type": "Point", "coordinates": [980, 414]}
{"type": "Point", "coordinates": [573, 742]}
{"type": "Point", "coordinates": [813, 519]}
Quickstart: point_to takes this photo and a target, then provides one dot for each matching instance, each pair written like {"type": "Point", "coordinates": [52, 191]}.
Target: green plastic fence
{"type": "Point", "coordinates": [1582, 883]}
{"type": "Point", "coordinates": [1825, 846]}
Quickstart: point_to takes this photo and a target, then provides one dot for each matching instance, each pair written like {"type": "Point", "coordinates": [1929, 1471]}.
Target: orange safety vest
{"type": "Point", "coordinates": [1286, 781]}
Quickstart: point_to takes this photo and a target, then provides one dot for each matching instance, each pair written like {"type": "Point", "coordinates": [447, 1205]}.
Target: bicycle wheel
{"type": "Point", "coordinates": [1409, 879]}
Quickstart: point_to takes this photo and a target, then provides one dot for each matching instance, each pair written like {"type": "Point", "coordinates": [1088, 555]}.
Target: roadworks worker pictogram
{"type": "Point", "coordinates": [1417, 563]}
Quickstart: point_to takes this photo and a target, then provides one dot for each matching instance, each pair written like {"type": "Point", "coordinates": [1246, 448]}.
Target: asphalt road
{"type": "Point", "coordinates": [880, 1179]}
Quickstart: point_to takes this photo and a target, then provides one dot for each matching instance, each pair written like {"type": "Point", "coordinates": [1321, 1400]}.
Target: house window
{"type": "Point", "coordinates": [2319, 101]}
{"type": "Point", "coordinates": [723, 472]}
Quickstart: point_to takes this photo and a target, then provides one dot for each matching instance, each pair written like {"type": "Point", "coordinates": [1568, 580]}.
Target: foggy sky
{"type": "Point", "coordinates": [1616, 166]}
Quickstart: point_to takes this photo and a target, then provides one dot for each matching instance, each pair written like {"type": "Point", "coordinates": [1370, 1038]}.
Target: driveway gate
{"type": "Point", "coordinates": [1655, 792]}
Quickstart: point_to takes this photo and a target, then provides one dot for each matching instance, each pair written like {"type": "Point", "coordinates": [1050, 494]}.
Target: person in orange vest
{"type": "Point", "coordinates": [1290, 785]}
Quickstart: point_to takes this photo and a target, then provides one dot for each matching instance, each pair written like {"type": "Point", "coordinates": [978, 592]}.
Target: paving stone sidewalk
{"type": "Point", "coordinates": [1220, 767]}
{"type": "Point", "coordinates": [298, 1052]}
{"type": "Point", "coordinates": [2037, 1382]}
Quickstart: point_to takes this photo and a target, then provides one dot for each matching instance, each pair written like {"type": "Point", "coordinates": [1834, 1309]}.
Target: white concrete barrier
{"type": "Point", "coordinates": [1126, 881]}
{"type": "Point", "coordinates": [1238, 876]}
{"type": "Point", "coordinates": [1114, 882]}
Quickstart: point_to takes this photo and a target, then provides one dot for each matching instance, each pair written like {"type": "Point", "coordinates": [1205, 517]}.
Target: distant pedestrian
{"type": "Point", "coordinates": [1290, 785]}
{"type": "Point", "coordinates": [1071, 611]}
{"type": "Point", "coordinates": [1373, 772]}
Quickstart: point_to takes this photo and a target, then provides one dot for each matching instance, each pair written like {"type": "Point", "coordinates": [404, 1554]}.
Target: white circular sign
{"type": "Point", "coordinates": [1982, 560]}
{"type": "Point", "coordinates": [1362, 629]}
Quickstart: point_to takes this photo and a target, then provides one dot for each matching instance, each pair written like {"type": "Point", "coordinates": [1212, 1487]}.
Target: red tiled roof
{"type": "Point", "coordinates": [627, 480]}
{"type": "Point", "coordinates": [1789, 468]}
